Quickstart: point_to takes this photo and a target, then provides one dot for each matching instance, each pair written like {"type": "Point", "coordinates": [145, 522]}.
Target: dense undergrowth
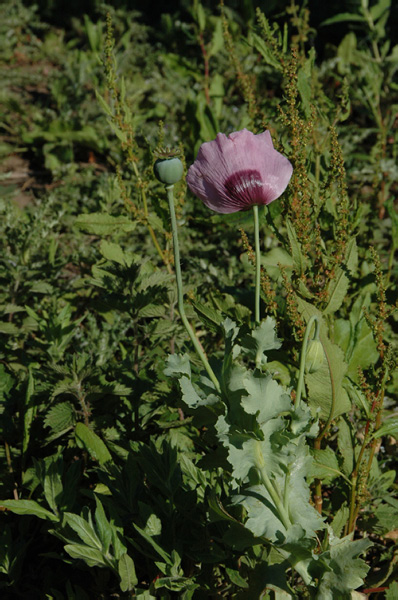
{"type": "Point", "coordinates": [133, 484]}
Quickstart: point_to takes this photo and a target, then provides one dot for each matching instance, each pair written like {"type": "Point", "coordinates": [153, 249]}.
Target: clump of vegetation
{"type": "Point", "coordinates": [219, 421]}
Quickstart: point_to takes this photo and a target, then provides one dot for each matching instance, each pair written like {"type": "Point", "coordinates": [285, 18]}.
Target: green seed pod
{"type": "Point", "coordinates": [168, 170]}
{"type": "Point", "coordinates": [315, 357]}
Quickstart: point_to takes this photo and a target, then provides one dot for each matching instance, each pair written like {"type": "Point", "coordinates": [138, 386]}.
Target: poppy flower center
{"type": "Point", "coordinates": [245, 186]}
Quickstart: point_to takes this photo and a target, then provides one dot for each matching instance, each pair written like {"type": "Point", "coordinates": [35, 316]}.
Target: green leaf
{"type": "Point", "coordinates": [128, 578]}
{"type": "Point", "coordinates": [262, 339]}
{"type": "Point", "coordinates": [113, 252]}
{"type": "Point", "coordinates": [340, 519]}
{"type": "Point", "coordinates": [178, 364]}
{"type": "Point", "coordinates": [208, 315]}
{"type": "Point", "coordinates": [299, 260]}
{"type": "Point", "coordinates": [325, 465]}
{"type": "Point", "coordinates": [389, 427]}
{"type": "Point", "coordinates": [29, 411]}
{"type": "Point", "coordinates": [345, 571]}
{"type": "Point", "coordinates": [8, 328]}
{"type": "Point", "coordinates": [304, 83]}
{"type": "Point", "coordinates": [392, 592]}
{"type": "Point", "coordinates": [104, 224]}
{"type": "Point", "coordinates": [103, 526]}
{"type": "Point", "coordinates": [266, 398]}
{"type": "Point", "coordinates": [338, 286]}
{"type": "Point", "coordinates": [84, 530]}
{"type": "Point", "coordinates": [91, 556]}
{"type": "Point", "coordinates": [260, 45]}
{"type": "Point", "coordinates": [89, 440]}
{"type": "Point", "coordinates": [342, 18]}
{"type": "Point", "coordinates": [320, 389]}
{"type": "Point", "coordinates": [28, 507]}
{"type": "Point", "coordinates": [53, 484]}
{"type": "Point", "coordinates": [60, 417]}
{"type": "Point", "coordinates": [345, 444]}
{"type": "Point", "coordinates": [235, 578]}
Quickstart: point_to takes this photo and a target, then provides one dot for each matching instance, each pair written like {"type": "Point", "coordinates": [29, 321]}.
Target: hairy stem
{"type": "Point", "coordinates": [180, 294]}
{"type": "Point", "coordinates": [258, 263]}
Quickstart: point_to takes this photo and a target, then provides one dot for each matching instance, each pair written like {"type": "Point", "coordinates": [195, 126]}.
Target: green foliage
{"type": "Point", "coordinates": [123, 472]}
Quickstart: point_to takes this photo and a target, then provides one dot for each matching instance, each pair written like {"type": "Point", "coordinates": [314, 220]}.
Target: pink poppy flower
{"type": "Point", "coordinates": [234, 172]}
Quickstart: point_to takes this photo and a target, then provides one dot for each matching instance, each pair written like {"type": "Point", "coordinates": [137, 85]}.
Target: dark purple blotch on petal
{"type": "Point", "coordinates": [245, 187]}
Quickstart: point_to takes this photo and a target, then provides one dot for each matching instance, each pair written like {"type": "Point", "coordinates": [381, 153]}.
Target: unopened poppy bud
{"type": "Point", "coordinates": [168, 170]}
{"type": "Point", "coordinates": [315, 356]}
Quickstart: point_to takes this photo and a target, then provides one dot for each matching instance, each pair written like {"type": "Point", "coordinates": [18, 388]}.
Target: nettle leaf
{"type": "Point", "coordinates": [321, 393]}
{"type": "Point", "coordinates": [60, 417]}
{"type": "Point", "coordinates": [260, 340]}
{"type": "Point", "coordinates": [340, 519]}
{"type": "Point", "coordinates": [104, 224]}
{"type": "Point", "coordinates": [346, 570]}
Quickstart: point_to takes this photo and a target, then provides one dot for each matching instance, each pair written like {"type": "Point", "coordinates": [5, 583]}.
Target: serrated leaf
{"type": "Point", "coordinates": [113, 252]}
{"type": "Point", "coordinates": [60, 417]}
{"type": "Point", "coordinates": [340, 519]}
{"type": "Point", "coordinates": [104, 224]}
{"type": "Point", "coordinates": [128, 577]}
{"type": "Point", "coordinates": [209, 316]}
{"type": "Point", "coordinates": [260, 45]}
{"type": "Point", "coordinates": [28, 507]}
{"type": "Point", "coordinates": [92, 443]}
{"type": "Point", "coordinates": [8, 328]}
{"type": "Point", "coordinates": [392, 592]}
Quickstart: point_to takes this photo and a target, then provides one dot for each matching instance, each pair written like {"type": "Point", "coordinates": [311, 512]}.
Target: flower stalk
{"type": "Point", "coordinates": [258, 263]}
{"type": "Point", "coordinates": [180, 294]}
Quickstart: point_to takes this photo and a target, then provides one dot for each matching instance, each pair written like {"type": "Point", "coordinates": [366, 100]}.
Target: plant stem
{"type": "Point", "coordinates": [283, 514]}
{"type": "Point", "coordinates": [258, 263]}
{"type": "Point", "coordinates": [180, 295]}
{"type": "Point", "coordinates": [146, 214]}
{"type": "Point", "coordinates": [300, 384]}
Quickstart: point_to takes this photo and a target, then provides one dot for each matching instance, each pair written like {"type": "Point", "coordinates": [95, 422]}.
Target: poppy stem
{"type": "Point", "coordinates": [180, 293]}
{"type": "Point", "coordinates": [258, 263]}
